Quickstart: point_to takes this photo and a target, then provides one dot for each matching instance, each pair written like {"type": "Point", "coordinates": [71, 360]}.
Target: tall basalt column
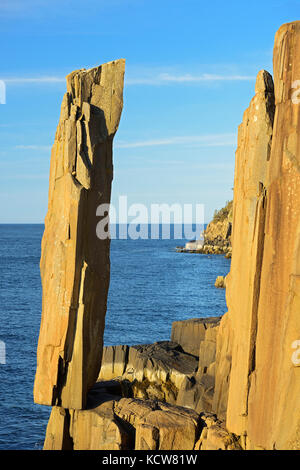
{"type": "Point", "coordinates": [242, 286]}
{"type": "Point", "coordinates": [75, 266]}
{"type": "Point", "coordinates": [274, 404]}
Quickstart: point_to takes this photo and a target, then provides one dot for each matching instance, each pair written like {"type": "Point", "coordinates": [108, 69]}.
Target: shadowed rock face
{"type": "Point", "coordinates": [150, 371]}
{"type": "Point", "coordinates": [164, 371]}
{"type": "Point", "coordinates": [75, 263]}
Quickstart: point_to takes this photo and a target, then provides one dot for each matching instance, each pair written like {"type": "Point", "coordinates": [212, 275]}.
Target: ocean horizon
{"type": "Point", "coordinates": [151, 286]}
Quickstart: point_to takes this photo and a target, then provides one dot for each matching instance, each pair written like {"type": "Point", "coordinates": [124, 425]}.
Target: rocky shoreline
{"type": "Point", "coordinates": [216, 236]}
{"type": "Point", "coordinates": [150, 397]}
{"type": "Point", "coordinates": [219, 383]}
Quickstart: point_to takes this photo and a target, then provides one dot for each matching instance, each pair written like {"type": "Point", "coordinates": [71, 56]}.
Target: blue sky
{"type": "Point", "coordinates": [190, 74]}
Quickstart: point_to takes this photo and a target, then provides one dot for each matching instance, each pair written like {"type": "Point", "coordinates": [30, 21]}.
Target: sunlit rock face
{"type": "Point", "coordinates": [274, 405]}
{"type": "Point", "coordinates": [75, 266]}
{"type": "Point", "coordinates": [250, 359]}
{"type": "Point", "coordinates": [261, 332]}
{"type": "Point", "coordinates": [249, 206]}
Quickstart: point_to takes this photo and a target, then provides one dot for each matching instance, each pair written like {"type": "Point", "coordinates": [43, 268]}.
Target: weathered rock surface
{"type": "Point", "coordinates": [275, 422]}
{"type": "Point", "coordinates": [222, 367]}
{"type": "Point", "coordinates": [263, 290]}
{"type": "Point", "coordinates": [74, 261]}
{"type": "Point", "coordinates": [197, 391]}
{"type": "Point", "coordinates": [150, 371]}
{"type": "Point", "coordinates": [165, 372]}
{"type": "Point", "coordinates": [214, 435]}
{"type": "Point", "coordinates": [216, 239]}
{"type": "Point", "coordinates": [220, 282]}
{"type": "Point", "coordinates": [252, 156]}
{"type": "Point", "coordinates": [217, 235]}
{"type": "Point", "coordinates": [190, 333]}
{"type": "Point", "coordinates": [116, 423]}
{"type": "Point", "coordinates": [247, 371]}
{"type": "Point", "coordinates": [161, 426]}
{"type": "Point", "coordinates": [57, 434]}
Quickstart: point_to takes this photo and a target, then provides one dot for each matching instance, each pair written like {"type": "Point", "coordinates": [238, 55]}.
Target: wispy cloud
{"type": "Point", "coordinates": [211, 140]}
{"type": "Point", "coordinates": [33, 147]}
{"type": "Point", "coordinates": [166, 78]}
{"type": "Point", "coordinates": [206, 77]}
{"type": "Point", "coordinates": [27, 176]}
{"type": "Point", "coordinates": [36, 80]}
{"type": "Point", "coordinates": [153, 80]}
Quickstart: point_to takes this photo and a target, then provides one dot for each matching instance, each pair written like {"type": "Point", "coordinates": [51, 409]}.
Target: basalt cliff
{"type": "Point", "coordinates": [216, 238]}
{"type": "Point", "coordinates": [231, 382]}
{"type": "Point", "coordinates": [74, 261]}
{"type": "Point", "coordinates": [217, 235]}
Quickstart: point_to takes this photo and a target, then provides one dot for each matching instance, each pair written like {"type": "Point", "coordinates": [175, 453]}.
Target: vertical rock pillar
{"type": "Point", "coordinates": [249, 206]}
{"type": "Point", "coordinates": [274, 404]}
{"type": "Point", "coordinates": [75, 266]}
{"type": "Point", "coordinates": [263, 287]}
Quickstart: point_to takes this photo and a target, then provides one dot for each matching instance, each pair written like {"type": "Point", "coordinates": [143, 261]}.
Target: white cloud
{"type": "Point", "coordinates": [166, 78]}
{"type": "Point", "coordinates": [153, 80]}
{"type": "Point", "coordinates": [211, 140]}
{"type": "Point", "coordinates": [33, 147]}
{"type": "Point", "coordinates": [24, 176]}
{"type": "Point", "coordinates": [37, 80]}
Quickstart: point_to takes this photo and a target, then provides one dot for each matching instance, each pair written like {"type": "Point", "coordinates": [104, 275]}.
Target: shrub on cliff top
{"type": "Point", "coordinates": [223, 213]}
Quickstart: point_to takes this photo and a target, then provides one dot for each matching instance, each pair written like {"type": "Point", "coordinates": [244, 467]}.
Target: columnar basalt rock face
{"type": "Point", "coordinates": [262, 327]}
{"type": "Point", "coordinates": [190, 333]}
{"type": "Point", "coordinates": [222, 367]}
{"type": "Point", "coordinates": [117, 423]}
{"type": "Point", "coordinates": [150, 371]}
{"type": "Point", "coordinates": [75, 262]}
{"type": "Point", "coordinates": [164, 371]}
{"type": "Point", "coordinates": [248, 363]}
{"type": "Point", "coordinates": [274, 405]}
{"type": "Point", "coordinates": [242, 289]}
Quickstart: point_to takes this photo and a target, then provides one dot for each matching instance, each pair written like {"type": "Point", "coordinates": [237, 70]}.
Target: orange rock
{"type": "Point", "coordinates": [262, 328]}
{"type": "Point", "coordinates": [75, 262]}
{"type": "Point", "coordinates": [274, 405]}
{"type": "Point", "coordinates": [242, 286]}
{"type": "Point", "coordinates": [123, 424]}
{"type": "Point", "coordinates": [222, 367]}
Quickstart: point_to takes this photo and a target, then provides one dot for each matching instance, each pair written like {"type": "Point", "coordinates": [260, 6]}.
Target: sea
{"type": "Point", "coordinates": [151, 286]}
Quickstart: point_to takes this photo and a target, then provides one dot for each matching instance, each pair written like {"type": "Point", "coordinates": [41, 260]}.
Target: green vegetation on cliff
{"type": "Point", "coordinates": [224, 213]}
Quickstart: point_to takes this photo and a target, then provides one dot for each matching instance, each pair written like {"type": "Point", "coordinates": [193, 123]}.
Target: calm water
{"type": "Point", "coordinates": [151, 286]}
